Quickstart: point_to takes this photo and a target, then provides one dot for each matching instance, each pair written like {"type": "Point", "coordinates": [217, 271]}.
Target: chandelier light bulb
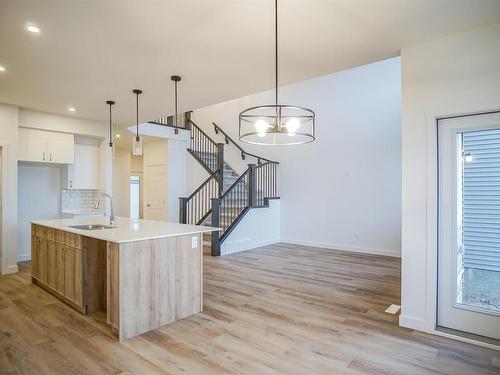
{"type": "Point", "coordinates": [261, 126]}
{"type": "Point", "coordinates": [292, 125]}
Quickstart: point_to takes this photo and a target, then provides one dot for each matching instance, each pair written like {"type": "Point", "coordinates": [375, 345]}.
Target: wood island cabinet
{"type": "Point", "coordinates": [58, 264]}
{"type": "Point", "coordinates": [142, 282]}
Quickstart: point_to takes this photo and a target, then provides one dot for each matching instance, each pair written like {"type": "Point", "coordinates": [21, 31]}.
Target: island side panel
{"type": "Point", "coordinates": [160, 282]}
{"type": "Point", "coordinates": [112, 285]}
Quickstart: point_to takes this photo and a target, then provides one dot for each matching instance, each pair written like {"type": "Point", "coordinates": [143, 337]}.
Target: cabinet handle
{"type": "Point", "coordinates": [71, 184]}
{"type": "Point", "coordinates": [44, 156]}
{"type": "Point", "coordinates": [50, 156]}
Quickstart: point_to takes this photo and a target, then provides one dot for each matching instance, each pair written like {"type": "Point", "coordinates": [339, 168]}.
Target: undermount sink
{"type": "Point", "coordinates": [92, 226]}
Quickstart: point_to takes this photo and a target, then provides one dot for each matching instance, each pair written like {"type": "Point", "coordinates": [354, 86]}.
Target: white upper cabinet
{"type": "Point", "coordinates": [84, 173]}
{"type": "Point", "coordinates": [46, 147]}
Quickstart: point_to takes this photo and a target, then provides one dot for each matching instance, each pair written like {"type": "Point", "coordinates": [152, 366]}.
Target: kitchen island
{"type": "Point", "coordinates": [143, 273]}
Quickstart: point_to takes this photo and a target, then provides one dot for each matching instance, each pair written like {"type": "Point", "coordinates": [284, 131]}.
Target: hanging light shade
{"type": "Point", "coordinates": [176, 80]}
{"type": "Point", "coordinates": [111, 143]}
{"type": "Point", "coordinates": [137, 142]}
{"type": "Point", "coordinates": [277, 124]}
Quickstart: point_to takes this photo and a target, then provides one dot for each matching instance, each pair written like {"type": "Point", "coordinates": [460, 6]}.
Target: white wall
{"type": "Point", "coordinates": [41, 203]}
{"type": "Point", "coordinates": [8, 141]}
{"type": "Point", "coordinates": [342, 191]}
{"type": "Point", "coordinates": [454, 75]}
{"type": "Point", "coordinates": [259, 227]}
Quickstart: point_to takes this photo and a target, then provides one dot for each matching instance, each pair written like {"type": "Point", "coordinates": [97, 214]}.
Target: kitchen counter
{"type": "Point", "coordinates": [143, 273]}
{"type": "Point", "coordinates": [125, 229]}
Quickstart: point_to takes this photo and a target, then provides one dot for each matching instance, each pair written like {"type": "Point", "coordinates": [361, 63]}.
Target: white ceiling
{"type": "Point", "coordinates": [91, 51]}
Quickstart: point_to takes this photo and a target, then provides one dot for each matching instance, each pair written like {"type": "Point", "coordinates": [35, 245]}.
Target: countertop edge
{"type": "Point", "coordinates": [95, 233]}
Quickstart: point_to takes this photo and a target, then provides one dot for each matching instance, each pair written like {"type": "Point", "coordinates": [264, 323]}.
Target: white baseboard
{"type": "Point", "coordinates": [356, 249]}
{"type": "Point", "coordinates": [23, 258]}
{"type": "Point", "coordinates": [10, 269]}
{"type": "Point", "coordinates": [250, 245]}
{"type": "Point", "coordinates": [415, 323]}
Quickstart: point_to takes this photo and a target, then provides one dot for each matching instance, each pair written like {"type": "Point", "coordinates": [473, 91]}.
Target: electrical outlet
{"type": "Point", "coordinates": [194, 242]}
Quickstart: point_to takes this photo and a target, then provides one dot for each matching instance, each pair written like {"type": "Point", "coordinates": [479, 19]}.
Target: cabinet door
{"type": "Point", "coordinates": [59, 286]}
{"type": "Point", "coordinates": [51, 264]}
{"type": "Point", "coordinates": [61, 150]}
{"type": "Point", "coordinates": [41, 263]}
{"type": "Point", "coordinates": [34, 256]}
{"type": "Point", "coordinates": [73, 275]}
{"type": "Point", "coordinates": [35, 149]}
{"type": "Point", "coordinates": [86, 167]}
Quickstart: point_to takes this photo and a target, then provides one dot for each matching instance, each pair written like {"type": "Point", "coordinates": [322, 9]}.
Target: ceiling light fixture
{"type": "Point", "coordinates": [176, 80]}
{"type": "Point", "coordinates": [137, 141]}
{"type": "Point", "coordinates": [2, 68]}
{"type": "Point", "coordinates": [110, 103]}
{"type": "Point", "coordinates": [71, 109]}
{"type": "Point", "coordinates": [32, 28]}
{"type": "Point", "coordinates": [277, 124]}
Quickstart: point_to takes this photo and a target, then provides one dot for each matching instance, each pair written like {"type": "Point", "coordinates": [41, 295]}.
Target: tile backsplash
{"type": "Point", "coordinates": [80, 199]}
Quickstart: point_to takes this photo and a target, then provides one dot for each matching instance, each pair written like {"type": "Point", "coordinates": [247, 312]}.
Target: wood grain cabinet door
{"type": "Point", "coordinates": [73, 275]}
{"type": "Point", "coordinates": [59, 287]}
{"type": "Point", "coordinates": [34, 256]}
{"type": "Point", "coordinates": [51, 264]}
{"type": "Point", "coordinates": [41, 263]}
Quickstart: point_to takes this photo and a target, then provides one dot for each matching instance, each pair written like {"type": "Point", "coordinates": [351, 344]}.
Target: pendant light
{"type": "Point", "coordinates": [176, 80]}
{"type": "Point", "coordinates": [111, 144]}
{"type": "Point", "coordinates": [137, 142]}
{"type": "Point", "coordinates": [277, 124]}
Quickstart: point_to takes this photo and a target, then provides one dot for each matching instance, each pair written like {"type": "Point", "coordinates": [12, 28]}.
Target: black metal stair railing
{"type": "Point", "coordinates": [197, 207]}
{"type": "Point", "coordinates": [208, 202]}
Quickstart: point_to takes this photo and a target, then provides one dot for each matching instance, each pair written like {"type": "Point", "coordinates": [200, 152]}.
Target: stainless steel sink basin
{"type": "Point", "coordinates": [92, 226]}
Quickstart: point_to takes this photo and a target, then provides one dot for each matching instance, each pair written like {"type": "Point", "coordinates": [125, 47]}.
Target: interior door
{"type": "Point", "coordinates": [469, 224]}
{"type": "Point", "coordinates": [155, 192]}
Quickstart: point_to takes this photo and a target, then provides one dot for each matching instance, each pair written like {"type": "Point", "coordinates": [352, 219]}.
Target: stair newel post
{"type": "Point", "coordinates": [252, 186]}
{"type": "Point", "coordinates": [187, 119]}
{"type": "Point", "coordinates": [183, 203]}
{"type": "Point", "coordinates": [220, 168]}
{"type": "Point", "coordinates": [215, 223]}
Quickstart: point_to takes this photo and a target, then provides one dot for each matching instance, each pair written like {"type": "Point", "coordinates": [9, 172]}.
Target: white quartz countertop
{"type": "Point", "coordinates": [125, 229]}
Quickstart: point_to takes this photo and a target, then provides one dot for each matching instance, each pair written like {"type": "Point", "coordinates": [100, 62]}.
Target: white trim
{"type": "Point", "coordinates": [245, 248]}
{"type": "Point", "coordinates": [423, 326]}
{"type": "Point", "coordinates": [10, 269]}
{"type": "Point", "coordinates": [4, 153]}
{"type": "Point", "coordinates": [23, 258]}
{"type": "Point", "coordinates": [354, 249]}
{"type": "Point", "coordinates": [429, 323]}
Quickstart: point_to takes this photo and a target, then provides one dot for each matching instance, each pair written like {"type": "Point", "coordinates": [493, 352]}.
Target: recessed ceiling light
{"type": "Point", "coordinates": [71, 109]}
{"type": "Point", "coordinates": [2, 68]}
{"type": "Point", "coordinates": [117, 135]}
{"type": "Point", "coordinates": [32, 28]}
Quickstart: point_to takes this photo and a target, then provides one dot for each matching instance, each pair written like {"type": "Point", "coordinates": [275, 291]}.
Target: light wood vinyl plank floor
{"type": "Point", "coordinates": [280, 309]}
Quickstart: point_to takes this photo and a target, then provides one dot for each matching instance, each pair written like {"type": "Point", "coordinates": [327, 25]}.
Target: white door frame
{"type": "Point", "coordinates": [451, 314]}
{"type": "Point", "coordinates": [5, 157]}
{"type": "Point", "coordinates": [429, 324]}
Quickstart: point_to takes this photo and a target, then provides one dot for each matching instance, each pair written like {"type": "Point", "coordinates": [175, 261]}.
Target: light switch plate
{"type": "Point", "coordinates": [194, 242]}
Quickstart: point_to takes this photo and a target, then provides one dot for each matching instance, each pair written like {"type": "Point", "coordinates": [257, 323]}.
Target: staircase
{"type": "Point", "coordinates": [224, 198]}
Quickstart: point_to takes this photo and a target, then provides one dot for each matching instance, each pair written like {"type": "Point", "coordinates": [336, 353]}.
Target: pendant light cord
{"type": "Point", "coordinates": [110, 127]}
{"type": "Point", "coordinates": [137, 116]}
{"type": "Point", "coordinates": [175, 96]}
{"type": "Point", "coordinates": [276, 46]}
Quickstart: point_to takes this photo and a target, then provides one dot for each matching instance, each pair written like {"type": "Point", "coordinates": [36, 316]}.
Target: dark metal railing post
{"type": "Point", "coordinates": [215, 223]}
{"type": "Point", "coordinates": [220, 167]}
{"type": "Point", "coordinates": [252, 186]}
{"type": "Point", "coordinates": [187, 120]}
{"type": "Point", "coordinates": [183, 203]}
